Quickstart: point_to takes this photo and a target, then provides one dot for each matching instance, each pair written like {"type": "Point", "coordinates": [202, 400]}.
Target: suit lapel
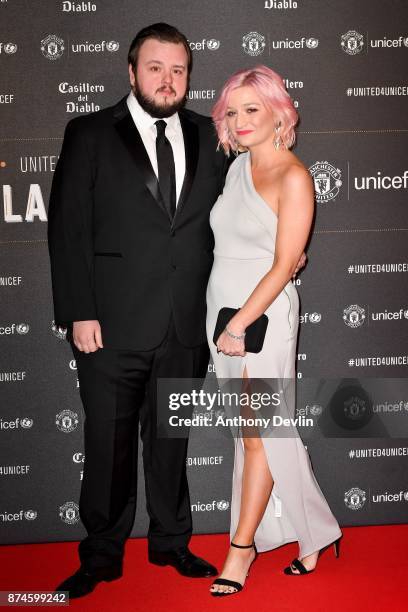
{"type": "Point", "coordinates": [191, 148]}
{"type": "Point", "coordinates": [132, 140]}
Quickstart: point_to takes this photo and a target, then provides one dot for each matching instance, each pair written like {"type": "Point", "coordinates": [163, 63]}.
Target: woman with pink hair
{"type": "Point", "coordinates": [261, 224]}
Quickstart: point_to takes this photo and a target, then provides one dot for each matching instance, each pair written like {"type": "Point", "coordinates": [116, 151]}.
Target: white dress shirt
{"type": "Point", "coordinates": [148, 132]}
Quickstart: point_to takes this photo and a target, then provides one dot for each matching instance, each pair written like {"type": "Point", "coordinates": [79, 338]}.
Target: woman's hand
{"type": "Point", "coordinates": [300, 264]}
{"type": "Point", "coordinates": [232, 346]}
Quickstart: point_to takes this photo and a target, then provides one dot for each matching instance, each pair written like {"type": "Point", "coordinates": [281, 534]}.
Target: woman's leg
{"type": "Point", "coordinates": [257, 485]}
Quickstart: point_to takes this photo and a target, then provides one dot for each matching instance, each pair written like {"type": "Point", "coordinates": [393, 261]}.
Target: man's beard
{"type": "Point", "coordinates": [160, 111]}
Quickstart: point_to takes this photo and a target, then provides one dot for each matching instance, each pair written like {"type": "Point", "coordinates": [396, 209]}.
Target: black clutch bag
{"type": "Point", "coordinates": [254, 333]}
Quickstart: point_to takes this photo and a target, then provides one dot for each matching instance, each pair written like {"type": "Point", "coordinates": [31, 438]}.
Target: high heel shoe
{"type": "Point", "coordinates": [232, 583]}
{"type": "Point", "coordinates": [296, 563]}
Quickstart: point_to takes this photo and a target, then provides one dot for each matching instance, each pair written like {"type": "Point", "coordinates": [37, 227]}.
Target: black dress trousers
{"type": "Point", "coordinates": [113, 385]}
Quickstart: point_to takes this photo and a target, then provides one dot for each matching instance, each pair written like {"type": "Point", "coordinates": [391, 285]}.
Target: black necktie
{"type": "Point", "coordinates": [165, 165]}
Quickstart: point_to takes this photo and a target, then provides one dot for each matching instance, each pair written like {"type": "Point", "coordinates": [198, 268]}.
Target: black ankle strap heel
{"type": "Point", "coordinates": [232, 583]}
{"type": "Point", "coordinates": [241, 546]}
{"type": "Point", "coordinates": [297, 564]}
{"type": "Point", "coordinates": [247, 546]}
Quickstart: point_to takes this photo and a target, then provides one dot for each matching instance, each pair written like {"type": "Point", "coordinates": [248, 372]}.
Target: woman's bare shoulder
{"type": "Point", "coordinates": [295, 175]}
{"type": "Point", "coordinates": [294, 169]}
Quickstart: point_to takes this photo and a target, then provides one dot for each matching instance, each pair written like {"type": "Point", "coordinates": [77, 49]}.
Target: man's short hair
{"type": "Point", "coordinates": [162, 32]}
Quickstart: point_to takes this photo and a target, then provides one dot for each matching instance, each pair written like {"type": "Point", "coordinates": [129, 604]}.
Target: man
{"type": "Point", "coordinates": [131, 251]}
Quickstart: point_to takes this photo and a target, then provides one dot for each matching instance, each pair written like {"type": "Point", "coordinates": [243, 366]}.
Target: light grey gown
{"type": "Point", "coordinates": [244, 228]}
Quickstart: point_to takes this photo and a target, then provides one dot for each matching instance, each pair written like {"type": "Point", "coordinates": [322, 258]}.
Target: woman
{"type": "Point", "coordinates": [261, 224]}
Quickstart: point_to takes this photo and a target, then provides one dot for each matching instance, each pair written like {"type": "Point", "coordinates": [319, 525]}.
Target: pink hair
{"type": "Point", "coordinates": [271, 89]}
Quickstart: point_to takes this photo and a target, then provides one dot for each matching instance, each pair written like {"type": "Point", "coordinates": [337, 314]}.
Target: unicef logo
{"type": "Point", "coordinates": [72, 364]}
{"type": "Point", "coordinates": [406, 495]}
{"type": "Point", "coordinates": [26, 423]}
{"type": "Point", "coordinates": [213, 44]}
{"type": "Point", "coordinates": [22, 328]}
{"type": "Point", "coordinates": [315, 410]}
{"type": "Point", "coordinates": [405, 41]}
{"type": "Point", "coordinates": [354, 315]}
{"type": "Point", "coordinates": [30, 515]}
{"type": "Point", "coordinates": [311, 317]}
{"type": "Point", "coordinates": [52, 47]}
{"type": "Point", "coordinates": [67, 421]}
{"type": "Point", "coordinates": [355, 498]}
{"type": "Point", "coordinates": [405, 314]}
{"type": "Point", "coordinates": [112, 46]}
{"type": "Point", "coordinates": [58, 331]}
{"type": "Point", "coordinates": [312, 43]}
{"type": "Point", "coordinates": [10, 48]}
{"type": "Point", "coordinates": [327, 181]}
{"type": "Point", "coordinates": [222, 505]}
{"type": "Point", "coordinates": [352, 42]}
{"type": "Point", "coordinates": [69, 513]}
{"type": "Point", "coordinates": [253, 43]}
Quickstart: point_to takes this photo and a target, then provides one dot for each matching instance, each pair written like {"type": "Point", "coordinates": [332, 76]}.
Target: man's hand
{"type": "Point", "coordinates": [87, 336]}
{"type": "Point", "coordinates": [300, 264]}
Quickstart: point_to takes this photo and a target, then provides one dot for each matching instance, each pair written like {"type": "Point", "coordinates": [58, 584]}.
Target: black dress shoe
{"type": "Point", "coordinates": [82, 582]}
{"type": "Point", "coordinates": [184, 561]}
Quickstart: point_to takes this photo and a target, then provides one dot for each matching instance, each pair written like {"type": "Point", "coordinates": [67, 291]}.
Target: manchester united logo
{"type": "Point", "coordinates": [327, 181]}
{"type": "Point", "coordinates": [253, 43]}
{"type": "Point", "coordinates": [355, 498]}
{"type": "Point", "coordinates": [352, 42]}
{"type": "Point", "coordinates": [52, 47]}
{"type": "Point", "coordinates": [354, 315]}
{"type": "Point", "coordinates": [69, 513]}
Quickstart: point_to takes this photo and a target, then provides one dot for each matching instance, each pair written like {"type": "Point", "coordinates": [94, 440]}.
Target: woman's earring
{"type": "Point", "coordinates": [232, 139]}
{"type": "Point", "coordinates": [277, 141]}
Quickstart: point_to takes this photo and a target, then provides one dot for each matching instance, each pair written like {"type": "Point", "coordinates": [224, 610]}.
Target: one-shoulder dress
{"type": "Point", "coordinates": [244, 228]}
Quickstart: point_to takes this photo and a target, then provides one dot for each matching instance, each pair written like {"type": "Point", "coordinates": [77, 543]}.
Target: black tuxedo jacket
{"type": "Point", "coordinates": [116, 256]}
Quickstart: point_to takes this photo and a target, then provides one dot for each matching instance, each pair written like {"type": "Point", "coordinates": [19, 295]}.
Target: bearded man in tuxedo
{"type": "Point", "coordinates": [131, 251]}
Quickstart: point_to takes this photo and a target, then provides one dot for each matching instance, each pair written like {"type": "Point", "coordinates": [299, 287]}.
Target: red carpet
{"type": "Point", "coordinates": [371, 574]}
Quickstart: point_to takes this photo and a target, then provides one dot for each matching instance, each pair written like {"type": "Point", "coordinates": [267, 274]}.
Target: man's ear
{"type": "Point", "coordinates": [131, 75]}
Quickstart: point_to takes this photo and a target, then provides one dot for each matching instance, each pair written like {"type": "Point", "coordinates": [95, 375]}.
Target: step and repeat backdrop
{"type": "Point", "coordinates": [344, 64]}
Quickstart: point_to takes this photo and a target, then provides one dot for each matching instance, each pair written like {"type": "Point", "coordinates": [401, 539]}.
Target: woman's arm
{"type": "Point", "coordinates": [296, 207]}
